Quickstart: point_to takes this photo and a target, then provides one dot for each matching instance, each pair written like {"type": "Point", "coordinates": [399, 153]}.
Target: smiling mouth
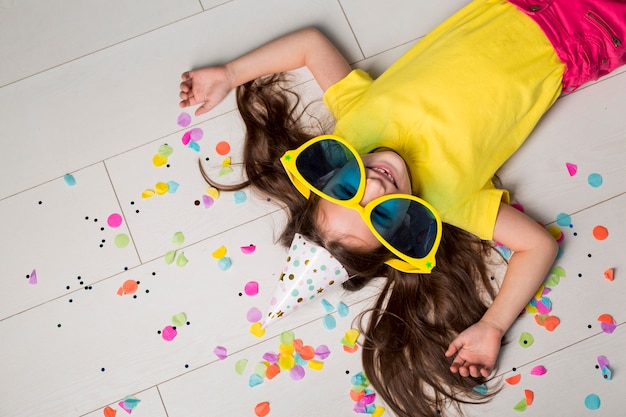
{"type": "Point", "coordinates": [385, 173]}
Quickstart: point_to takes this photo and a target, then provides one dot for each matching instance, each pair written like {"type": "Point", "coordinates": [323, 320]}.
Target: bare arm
{"type": "Point", "coordinates": [534, 251]}
{"type": "Point", "coordinates": [304, 48]}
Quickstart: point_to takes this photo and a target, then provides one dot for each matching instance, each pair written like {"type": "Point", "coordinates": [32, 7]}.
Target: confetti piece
{"type": "Point", "coordinates": [526, 340]}
{"type": "Point", "coordinates": [606, 373]}
{"type": "Point", "coordinates": [592, 402]}
{"type": "Point", "coordinates": [351, 336]}
{"type": "Point", "coordinates": [165, 151]}
{"type": "Point", "coordinates": [213, 192]}
{"type": "Point", "coordinates": [287, 338]}
{"type": "Point", "coordinates": [564, 220]}
{"type": "Point", "coordinates": [297, 373]}
{"type": "Point", "coordinates": [128, 287]}
{"type": "Point", "coordinates": [121, 241]}
{"type": "Point", "coordinates": [196, 134]}
{"type": "Point", "coordinates": [322, 352]}
{"type": "Point", "coordinates": [168, 333]}
{"type": "Point", "coordinates": [538, 370]}
{"type": "Point", "coordinates": [114, 220]}
{"type": "Point", "coordinates": [222, 148]}
{"type": "Point", "coordinates": [226, 162]}
{"type": "Point", "coordinates": [181, 260]}
{"type": "Point", "coordinates": [161, 188]}
{"type": "Point", "coordinates": [286, 362]}
{"type": "Point", "coordinates": [572, 169]}
{"type": "Point", "coordinates": [251, 288]}
{"type": "Point", "coordinates": [257, 330]}
{"type": "Point", "coordinates": [219, 253]}
{"type": "Point", "coordinates": [225, 263]}
{"type": "Point", "coordinates": [514, 380]}
{"type": "Point", "coordinates": [186, 138]}
{"type": "Point", "coordinates": [220, 352]}
{"type": "Point", "coordinates": [172, 187]}
{"type": "Point", "coordinates": [225, 171]}
{"type": "Point", "coordinates": [254, 380]}
{"type": "Point", "coordinates": [342, 309]}
{"type": "Point", "coordinates": [128, 404]}
{"type": "Point", "coordinates": [316, 365]}
{"type": "Point", "coordinates": [179, 319]}
{"type": "Point", "coordinates": [262, 409]}
{"type": "Point", "coordinates": [194, 146]}
{"type": "Point", "coordinates": [481, 389]}
{"type": "Point", "coordinates": [170, 256]}
{"type": "Point", "coordinates": [254, 315]}
{"type": "Point", "coordinates": [603, 361]}
{"type": "Point", "coordinates": [521, 406]}
{"type": "Point", "coordinates": [556, 233]}
{"type": "Point", "coordinates": [594, 180]}
{"type": "Point", "coordinates": [109, 412]}
{"type": "Point", "coordinates": [158, 160]}
{"type": "Point", "coordinates": [208, 201]}
{"type": "Point", "coordinates": [329, 322]}
{"type": "Point", "coordinates": [378, 411]}
{"type": "Point", "coordinates": [247, 250]}
{"type": "Point", "coordinates": [609, 274]}
{"type": "Point", "coordinates": [530, 397]}
{"type": "Point", "coordinates": [147, 193]}
{"type": "Point", "coordinates": [184, 119]}
{"type": "Point", "coordinates": [600, 232]}
{"type": "Point", "coordinates": [69, 180]}
{"type": "Point", "coordinates": [32, 278]}
{"type": "Point", "coordinates": [240, 366]}
{"type": "Point", "coordinates": [240, 197]}
{"type": "Point", "coordinates": [551, 323]}
{"type": "Point", "coordinates": [328, 307]}
{"type": "Point", "coordinates": [178, 238]}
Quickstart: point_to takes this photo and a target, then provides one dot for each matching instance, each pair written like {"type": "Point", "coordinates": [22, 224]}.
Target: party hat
{"type": "Point", "coordinates": [309, 270]}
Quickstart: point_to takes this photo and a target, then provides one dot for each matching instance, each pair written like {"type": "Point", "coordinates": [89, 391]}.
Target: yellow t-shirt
{"type": "Point", "coordinates": [456, 106]}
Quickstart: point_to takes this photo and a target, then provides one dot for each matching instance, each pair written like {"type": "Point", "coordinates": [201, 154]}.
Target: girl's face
{"type": "Point", "coordinates": [386, 173]}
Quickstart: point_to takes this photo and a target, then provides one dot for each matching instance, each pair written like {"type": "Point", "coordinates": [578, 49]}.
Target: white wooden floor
{"type": "Point", "coordinates": [90, 89]}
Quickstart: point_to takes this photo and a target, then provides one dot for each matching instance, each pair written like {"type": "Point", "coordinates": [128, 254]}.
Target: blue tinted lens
{"type": "Point", "coordinates": [345, 182]}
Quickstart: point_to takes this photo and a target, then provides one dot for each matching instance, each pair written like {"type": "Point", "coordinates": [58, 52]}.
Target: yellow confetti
{"type": "Point", "coordinates": [220, 252]}
{"type": "Point", "coordinates": [378, 411]}
{"type": "Point", "coordinates": [147, 194]}
{"type": "Point", "coordinates": [286, 349]}
{"type": "Point", "coordinates": [286, 362]}
{"type": "Point", "coordinates": [213, 192]}
{"type": "Point", "coordinates": [226, 162]}
{"type": "Point", "coordinates": [158, 160]}
{"type": "Point", "coordinates": [161, 188]}
{"type": "Point", "coordinates": [316, 365]}
{"type": "Point", "coordinates": [257, 330]}
{"type": "Point", "coordinates": [351, 336]}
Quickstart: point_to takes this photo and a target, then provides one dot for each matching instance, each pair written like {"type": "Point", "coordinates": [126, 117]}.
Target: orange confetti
{"type": "Point", "coordinates": [356, 395]}
{"type": "Point", "coordinates": [606, 318]}
{"type": "Point", "coordinates": [272, 371]}
{"type": "Point", "coordinates": [551, 323]}
{"type": "Point", "coordinates": [513, 380]}
{"type": "Point", "coordinates": [129, 286]}
{"type": "Point", "coordinates": [307, 353]}
{"type": "Point", "coordinates": [297, 345]}
{"type": "Point", "coordinates": [600, 232]}
{"type": "Point", "coordinates": [351, 349]}
{"type": "Point", "coordinates": [609, 274]}
{"type": "Point", "coordinates": [530, 396]}
{"type": "Point", "coordinates": [262, 409]}
{"type": "Point", "coordinates": [109, 412]}
{"type": "Point", "coordinates": [222, 148]}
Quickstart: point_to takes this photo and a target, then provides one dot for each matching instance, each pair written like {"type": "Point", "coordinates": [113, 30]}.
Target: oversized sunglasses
{"type": "Point", "coordinates": [406, 225]}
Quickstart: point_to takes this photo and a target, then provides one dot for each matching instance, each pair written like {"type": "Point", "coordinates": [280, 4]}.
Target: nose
{"type": "Point", "coordinates": [374, 188]}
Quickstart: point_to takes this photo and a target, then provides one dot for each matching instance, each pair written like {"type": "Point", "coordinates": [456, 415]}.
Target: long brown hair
{"type": "Point", "coordinates": [415, 316]}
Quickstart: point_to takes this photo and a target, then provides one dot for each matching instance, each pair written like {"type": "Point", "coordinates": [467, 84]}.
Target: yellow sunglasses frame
{"type": "Point", "coordinates": [405, 263]}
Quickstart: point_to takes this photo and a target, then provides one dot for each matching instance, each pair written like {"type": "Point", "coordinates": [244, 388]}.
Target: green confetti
{"type": "Point", "coordinates": [182, 260]}
{"type": "Point", "coordinates": [554, 277]}
{"type": "Point", "coordinates": [170, 256]}
{"type": "Point", "coordinates": [179, 319]}
{"type": "Point", "coordinates": [165, 151]}
{"type": "Point", "coordinates": [526, 340]}
{"type": "Point", "coordinates": [121, 240]}
{"type": "Point", "coordinates": [240, 366]}
{"type": "Point", "coordinates": [521, 406]}
{"type": "Point", "coordinates": [287, 338]}
{"type": "Point", "coordinates": [225, 171]}
{"type": "Point", "coordinates": [178, 238]}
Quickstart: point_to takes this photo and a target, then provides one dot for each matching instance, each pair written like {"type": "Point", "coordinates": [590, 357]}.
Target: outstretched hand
{"type": "Point", "coordinates": [206, 86]}
{"type": "Point", "coordinates": [476, 350]}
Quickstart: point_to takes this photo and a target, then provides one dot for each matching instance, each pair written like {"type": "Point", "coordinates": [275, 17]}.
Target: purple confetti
{"type": "Point", "coordinates": [196, 134]}
{"type": "Point", "coordinates": [220, 352]}
{"type": "Point", "coordinates": [32, 278]}
{"type": "Point", "coordinates": [270, 357]}
{"type": "Point", "coordinates": [322, 352]}
{"type": "Point", "coordinates": [184, 120]}
{"type": "Point", "coordinates": [254, 315]}
{"type": "Point", "coordinates": [207, 200]}
{"type": "Point", "coordinates": [603, 361]}
{"type": "Point", "coordinates": [297, 373]}
{"type": "Point", "coordinates": [608, 327]}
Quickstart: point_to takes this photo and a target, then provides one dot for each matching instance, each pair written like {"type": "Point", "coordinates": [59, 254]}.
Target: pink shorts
{"type": "Point", "coordinates": [588, 36]}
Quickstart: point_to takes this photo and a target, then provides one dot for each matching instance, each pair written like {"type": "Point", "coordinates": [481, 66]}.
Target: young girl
{"type": "Point", "coordinates": [437, 124]}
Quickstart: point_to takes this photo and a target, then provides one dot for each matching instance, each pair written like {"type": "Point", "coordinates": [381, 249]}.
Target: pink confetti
{"type": "Point", "coordinates": [186, 138]}
{"type": "Point", "coordinates": [196, 134]}
{"type": "Point", "coordinates": [114, 220]}
{"type": "Point", "coordinates": [208, 201]}
{"type": "Point", "coordinates": [184, 120]}
{"type": "Point", "coordinates": [270, 357]}
{"type": "Point", "coordinates": [603, 361]}
{"type": "Point", "coordinates": [297, 373]}
{"type": "Point", "coordinates": [251, 288]}
{"type": "Point", "coordinates": [608, 327]}
{"type": "Point", "coordinates": [220, 352]}
{"type": "Point", "coordinates": [247, 250]}
{"type": "Point", "coordinates": [32, 278]}
{"type": "Point", "coordinates": [322, 352]}
{"type": "Point", "coordinates": [572, 169]}
{"type": "Point", "coordinates": [538, 370]}
{"type": "Point", "coordinates": [169, 333]}
{"type": "Point", "coordinates": [254, 315]}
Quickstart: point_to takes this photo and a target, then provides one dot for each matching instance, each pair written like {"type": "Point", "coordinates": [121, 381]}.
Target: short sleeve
{"type": "Point", "coordinates": [342, 96]}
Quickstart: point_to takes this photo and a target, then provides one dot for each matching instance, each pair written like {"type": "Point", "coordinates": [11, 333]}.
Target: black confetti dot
{"type": "Point", "coordinates": [102, 369]}
{"type": "Point", "coordinates": [132, 203]}
{"type": "Point", "coordinates": [514, 369]}
{"type": "Point", "coordinates": [137, 211]}
{"type": "Point", "coordinates": [40, 202]}
{"type": "Point", "coordinates": [95, 220]}
{"type": "Point", "coordinates": [86, 217]}
{"type": "Point", "coordinates": [186, 365]}
{"type": "Point", "coordinates": [158, 331]}
{"type": "Point", "coordinates": [70, 300]}
{"type": "Point", "coordinates": [188, 323]}
{"type": "Point", "coordinates": [197, 202]}
{"type": "Point", "coordinates": [147, 291]}
{"type": "Point", "coordinates": [240, 294]}
{"type": "Point", "coordinates": [580, 275]}
{"type": "Point", "coordinates": [588, 255]}
{"type": "Point", "coordinates": [589, 326]}
{"type": "Point", "coordinates": [67, 287]}
{"type": "Point", "coordinates": [347, 372]}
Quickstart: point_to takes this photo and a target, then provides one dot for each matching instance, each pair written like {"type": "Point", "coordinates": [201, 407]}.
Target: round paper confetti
{"type": "Point", "coordinates": [329, 322]}
{"type": "Point", "coordinates": [595, 180]}
{"type": "Point", "coordinates": [526, 340]}
{"type": "Point", "coordinates": [122, 240]}
{"type": "Point", "coordinates": [114, 220]}
{"type": "Point", "coordinates": [247, 250]}
{"type": "Point", "coordinates": [225, 263]}
{"type": "Point", "coordinates": [240, 366]}
{"type": "Point", "coordinates": [169, 333]}
{"type": "Point", "coordinates": [220, 352]}
{"type": "Point", "coordinates": [178, 238]}
{"type": "Point", "coordinates": [600, 232]}
{"type": "Point", "coordinates": [165, 151]}
{"type": "Point", "coordinates": [69, 180]}
{"type": "Point", "coordinates": [564, 220]}
{"type": "Point", "coordinates": [297, 373]}
{"type": "Point", "coordinates": [222, 148]}
{"type": "Point", "coordinates": [538, 370]}
{"type": "Point", "coordinates": [179, 319]}
{"type": "Point", "coordinates": [254, 315]}
{"type": "Point", "coordinates": [130, 286]}
{"type": "Point", "coordinates": [159, 160]}
{"type": "Point", "coordinates": [184, 120]}
{"type": "Point", "coordinates": [262, 409]}
{"type": "Point", "coordinates": [251, 288]}
{"type": "Point", "coordinates": [240, 197]}
{"type": "Point", "coordinates": [257, 330]}
{"type": "Point", "coordinates": [592, 402]}
{"type": "Point", "coordinates": [196, 134]}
